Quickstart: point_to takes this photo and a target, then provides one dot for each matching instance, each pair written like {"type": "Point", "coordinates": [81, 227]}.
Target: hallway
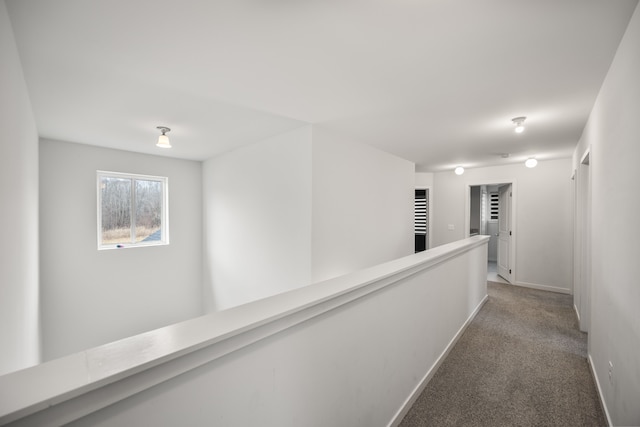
{"type": "Point", "coordinates": [521, 362]}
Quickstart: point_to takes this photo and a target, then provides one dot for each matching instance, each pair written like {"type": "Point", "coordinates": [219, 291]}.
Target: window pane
{"type": "Point", "coordinates": [116, 210]}
{"type": "Point", "coordinates": [148, 211]}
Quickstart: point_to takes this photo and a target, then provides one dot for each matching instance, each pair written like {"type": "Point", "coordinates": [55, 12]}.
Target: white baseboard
{"type": "Point", "coordinates": [543, 287]}
{"type": "Point", "coordinates": [599, 389]}
{"type": "Point", "coordinates": [575, 308]}
{"type": "Point", "coordinates": [404, 409]}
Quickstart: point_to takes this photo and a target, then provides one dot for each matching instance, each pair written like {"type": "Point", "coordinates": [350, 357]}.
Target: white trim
{"type": "Point", "coordinates": [582, 228]}
{"type": "Point", "coordinates": [543, 287]}
{"type": "Point", "coordinates": [574, 233]}
{"type": "Point", "coordinates": [599, 389]}
{"type": "Point", "coordinates": [402, 412]}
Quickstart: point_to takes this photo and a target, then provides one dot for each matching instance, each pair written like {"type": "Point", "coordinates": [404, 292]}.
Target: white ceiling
{"type": "Point", "coordinates": [433, 81]}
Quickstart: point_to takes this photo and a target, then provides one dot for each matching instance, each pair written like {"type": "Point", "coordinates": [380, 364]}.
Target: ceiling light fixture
{"type": "Point", "coordinates": [519, 122]}
{"type": "Point", "coordinates": [459, 170]}
{"type": "Point", "coordinates": [163, 140]}
{"type": "Point", "coordinates": [531, 162]}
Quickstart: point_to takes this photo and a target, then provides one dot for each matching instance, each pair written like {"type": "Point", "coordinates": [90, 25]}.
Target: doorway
{"type": "Point", "coordinates": [421, 220]}
{"type": "Point", "coordinates": [490, 212]}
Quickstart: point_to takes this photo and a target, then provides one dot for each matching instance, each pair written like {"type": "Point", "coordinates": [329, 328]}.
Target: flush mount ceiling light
{"type": "Point", "coordinates": [531, 163]}
{"type": "Point", "coordinates": [163, 140]}
{"type": "Point", "coordinates": [519, 122]}
{"type": "Point", "coordinates": [459, 170]}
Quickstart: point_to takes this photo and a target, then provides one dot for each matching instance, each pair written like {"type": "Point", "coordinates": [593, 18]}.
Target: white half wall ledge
{"type": "Point", "coordinates": [69, 388]}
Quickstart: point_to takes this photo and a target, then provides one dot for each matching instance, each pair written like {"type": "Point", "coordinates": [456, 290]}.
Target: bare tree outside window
{"type": "Point", "coordinates": [116, 210]}
{"type": "Point", "coordinates": [148, 199]}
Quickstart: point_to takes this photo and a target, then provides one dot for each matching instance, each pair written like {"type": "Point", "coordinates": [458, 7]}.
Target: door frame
{"type": "Point", "coordinates": [582, 252]}
{"type": "Point", "coordinates": [514, 215]}
{"type": "Point", "coordinates": [577, 252]}
{"type": "Point", "coordinates": [505, 195]}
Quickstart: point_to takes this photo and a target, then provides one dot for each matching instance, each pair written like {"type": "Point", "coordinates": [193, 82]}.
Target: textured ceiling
{"type": "Point", "coordinates": [433, 81]}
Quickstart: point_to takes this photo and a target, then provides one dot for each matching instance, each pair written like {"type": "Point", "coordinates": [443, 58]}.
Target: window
{"type": "Point", "coordinates": [132, 210]}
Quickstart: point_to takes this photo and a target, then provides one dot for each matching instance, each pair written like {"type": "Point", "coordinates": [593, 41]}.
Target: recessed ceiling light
{"type": "Point", "coordinates": [519, 122]}
{"type": "Point", "coordinates": [459, 170]}
{"type": "Point", "coordinates": [531, 163]}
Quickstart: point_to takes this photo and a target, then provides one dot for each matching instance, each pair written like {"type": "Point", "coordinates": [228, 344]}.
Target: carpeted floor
{"type": "Point", "coordinates": [521, 362]}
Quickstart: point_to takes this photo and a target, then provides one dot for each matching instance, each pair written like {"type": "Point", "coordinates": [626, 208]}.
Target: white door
{"type": "Point", "coordinates": [504, 233]}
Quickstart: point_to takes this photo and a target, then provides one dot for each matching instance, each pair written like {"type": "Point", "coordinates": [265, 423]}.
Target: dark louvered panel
{"type": "Point", "coordinates": [421, 219]}
{"type": "Point", "coordinates": [420, 213]}
{"type": "Point", "coordinates": [494, 206]}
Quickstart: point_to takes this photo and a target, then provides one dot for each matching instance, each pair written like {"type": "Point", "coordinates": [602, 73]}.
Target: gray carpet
{"type": "Point", "coordinates": [521, 362]}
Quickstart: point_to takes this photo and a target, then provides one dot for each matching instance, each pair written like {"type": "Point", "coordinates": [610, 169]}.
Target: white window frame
{"type": "Point", "coordinates": [164, 214]}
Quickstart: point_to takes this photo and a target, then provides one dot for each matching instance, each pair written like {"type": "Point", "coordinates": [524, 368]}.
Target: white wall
{"type": "Point", "coordinates": [19, 311]}
{"type": "Point", "coordinates": [424, 180]}
{"type": "Point", "coordinates": [475, 206]}
{"type": "Point", "coordinates": [612, 134]}
{"type": "Point", "coordinates": [92, 297]}
{"type": "Point", "coordinates": [543, 210]}
{"type": "Point", "coordinates": [298, 208]}
{"type": "Point", "coordinates": [257, 202]}
{"type": "Point", "coordinates": [362, 206]}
